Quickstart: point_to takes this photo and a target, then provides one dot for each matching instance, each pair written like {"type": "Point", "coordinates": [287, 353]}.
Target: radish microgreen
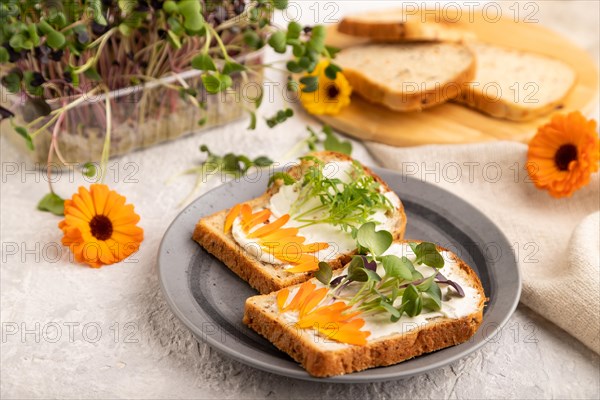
{"type": "Point", "coordinates": [397, 287]}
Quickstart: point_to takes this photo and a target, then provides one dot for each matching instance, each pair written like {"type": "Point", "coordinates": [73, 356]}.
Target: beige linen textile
{"type": "Point", "coordinates": [556, 241]}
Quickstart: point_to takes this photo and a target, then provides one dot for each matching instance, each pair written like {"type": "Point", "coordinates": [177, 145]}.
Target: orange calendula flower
{"type": "Point", "coordinates": [331, 95]}
{"type": "Point", "coordinates": [563, 154]}
{"type": "Point", "coordinates": [282, 243]}
{"type": "Point", "coordinates": [99, 227]}
{"type": "Point", "coordinates": [333, 321]}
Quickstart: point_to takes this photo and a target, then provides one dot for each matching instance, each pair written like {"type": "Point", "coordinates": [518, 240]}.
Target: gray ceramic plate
{"type": "Point", "coordinates": [209, 298]}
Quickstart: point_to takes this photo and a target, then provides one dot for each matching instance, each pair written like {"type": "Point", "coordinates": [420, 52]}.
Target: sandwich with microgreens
{"type": "Point", "coordinates": [309, 214]}
{"type": "Point", "coordinates": [393, 301]}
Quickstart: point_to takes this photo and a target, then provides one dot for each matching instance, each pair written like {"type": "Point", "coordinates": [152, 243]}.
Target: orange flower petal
{"type": "Point", "coordinates": [98, 242]}
{"type": "Point", "coordinates": [281, 233]}
{"type": "Point", "coordinates": [305, 289]}
{"type": "Point", "coordinates": [553, 165]}
{"type": "Point", "coordinates": [256, 219]}
{"type": "Point", "coordinates": [273, 226]}
{"type": "Point", "coordinates": [99, 195]}
{"type": "Point", "coordinates": [332, 321]}
{"type": "Point", "coordinates": [312, 301]}
{"type": "Point", "coordinates": [282, 296]}
{"type": "Point", "coordinates": [246, 212]}
{"type": "Point", "coordinates": [231, 216]}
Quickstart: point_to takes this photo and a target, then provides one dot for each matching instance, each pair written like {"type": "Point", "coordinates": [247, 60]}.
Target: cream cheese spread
{"type": "Point", "coordinates": [339, 241]}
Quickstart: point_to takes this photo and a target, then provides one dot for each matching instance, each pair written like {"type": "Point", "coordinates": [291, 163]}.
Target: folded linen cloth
{"type": "Point", "coordinates": [556, 241]}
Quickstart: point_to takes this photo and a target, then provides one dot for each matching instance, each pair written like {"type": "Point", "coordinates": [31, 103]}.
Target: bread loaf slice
{"type": "Point", "coordinates": [263, 276]}
{"type": "Point", "coordinates": [405, 25]}
{"type": "Point", "coordinates": [407, 77]}
{"type": "Point", "coordinates": [516, 85]}
{"type": "Point", "coordinates": [401, 340]}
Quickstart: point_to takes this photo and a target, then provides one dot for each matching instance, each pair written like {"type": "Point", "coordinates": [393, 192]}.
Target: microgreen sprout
{"type": "Point", "coordinates": [386, 283]}
{"type": "Point", "coordinates": [347, 204]}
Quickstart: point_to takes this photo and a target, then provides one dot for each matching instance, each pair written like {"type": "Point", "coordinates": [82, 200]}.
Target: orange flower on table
{"type": "Point", "coordinates": [331, 95]}
{"type": "Point", "coordinates": [333, 321]}
{"type": "Point", "coordinates": [282, 243]}
{"type": "Point", "coordinates": [99, 227]}
{"type": "Point", "coordinates": [563, 154]}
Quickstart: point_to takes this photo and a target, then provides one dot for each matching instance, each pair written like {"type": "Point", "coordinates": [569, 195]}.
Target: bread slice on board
{"type": "Point", "coordinates": [323, 357]}
{"type": "Point", "coordinates": [516, 85]}
{"type": "Point", "coordinates": [405, 26]}
{"type": "Point", "coordinates": [407, 77]}
{"type": "Point", "coordinates": [263, 276]}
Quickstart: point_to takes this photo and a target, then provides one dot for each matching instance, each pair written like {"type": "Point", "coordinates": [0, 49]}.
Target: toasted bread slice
{"type": "Point", "coordinates": [263, 276]}
{"type": "Point", "coordinates": [323, 357]}
{"type": "Point", "coordinates": [405, 26]}
{"type": "Point", "coordinates": [516, 85]}
{"type": "Point", "coordinates": [408, 77]}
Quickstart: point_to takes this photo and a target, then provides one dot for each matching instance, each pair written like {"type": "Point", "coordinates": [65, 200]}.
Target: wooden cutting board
{"type": "Point", "coordinates": [453, 123]}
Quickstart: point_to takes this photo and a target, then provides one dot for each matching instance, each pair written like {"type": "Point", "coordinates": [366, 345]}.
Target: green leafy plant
{"type": "Point", "coordinates": [57, 54]}
{"type": "Point", "coordinates": [344, 204]}
{"type": "Point", "coordinates": [230, 164]}
{"type": "Point", "coordinates": [324, 140]}
{"type": "Point", "coordinates": [52, 203]}
{"type": "Point", "coordinates": [400, 289]}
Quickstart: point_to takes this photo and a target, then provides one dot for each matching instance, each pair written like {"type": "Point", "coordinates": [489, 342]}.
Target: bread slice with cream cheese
{"type": "Point", "coordinates": [387, 342]}
{"type": "Point", "coordinates": [262, 270]}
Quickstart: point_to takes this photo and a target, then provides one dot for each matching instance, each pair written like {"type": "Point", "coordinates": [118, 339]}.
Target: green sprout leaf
{"type": "Point", "coordinates": [211, 83]}
{"type": "Point", "coordinates": [280, 117]}
{"type": "Point", "coordinates": [4, 56]}
{"type": "Point", "coordinates": [426, 284]}
{"type": "Point", "coordinates": [332, 70]}
{"type": "Point", "coordinates": [89, 169]}
{"type": "Point", "coordinates": [92, 73]}
{"type": "Point", "coordinates": [174, 39]}
{"type": "Point", "coordinates": [280, 4]}
{"type": "Point", "coordinates": [192, 15]}
{"type": "Point", "coordinates": [324, 273]}
{"type": "Point", "coordinates": [377, 242]}
{"type": "Point", "coordinates": [293, 67]}
{"type": "Point", "coordinates": [12, 81]}
{"type": "Point", "coordinates": [23, 133]}
{"type": "Point", "coordinates": [395, 313]}
{"type": "Point", "coordinates": [216, 83]}
{"type": "Point", "coordinates": [170, 7]}
{"type": "Point", "coordinates": [203, 62]}
{"type": "Point", "coordinates": [358, 275]}
{"type": "Point", "coordinates": [278, 42]}
{"type": "Point", "coordinates": [226, 81]}
{"type": "Point", "coordinates": [332, 51]}
{"type": "Point", "coordinates": [397, 267]}
{"type": "Point", "coordinates": [433, 298]}
{"type": "Point", "coordinates": [262, 161]}
{"type": "Point", "coordinates": [413, 300]}
{"type": "Point", "coordinates": [332, 143]}
{"type": "Point", "coordinates": [317, 39]}
{"type": "Point", "coordinates": [311, 83]}
{"type": "Point", "coordinates": [231, 67]}
{"type": "Point", "coordinates": [293, 31]}
{"type": "Point", "coordinates": [95, 7]}
{"type": "Point", "coordinates": [427, 254]}
{"type": "Point", "coordinates": [52, 203]}
{"type": "Point", "coordinates": [252, 39]}
{"type": "Point", "coordinates": [252, 124]}
{"type": "Point", "coordinates": [285, 177]}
